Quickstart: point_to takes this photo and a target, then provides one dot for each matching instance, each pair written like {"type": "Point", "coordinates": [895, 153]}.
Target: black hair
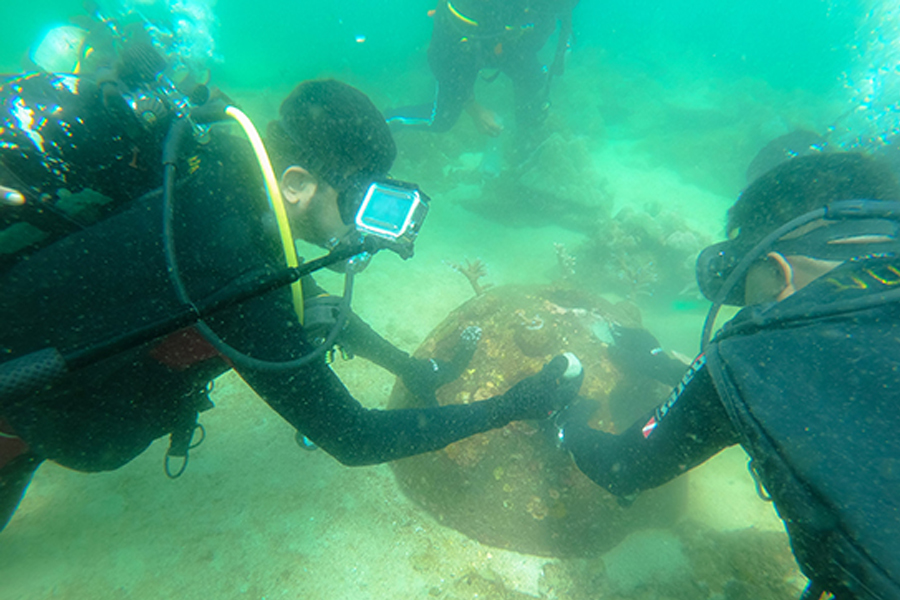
{"type": "Point", "coordinates": [804, 184]}
{"type": "Point", "coordinates": [800, 142]}
{"type": "Point", "coordinates": [334, 131]}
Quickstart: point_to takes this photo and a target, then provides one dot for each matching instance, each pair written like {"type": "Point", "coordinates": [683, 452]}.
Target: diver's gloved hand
{"type": "Point", "coordinates": [423, 377]}
{"type": "Point", "coordinates": [320, 314]}
{"type": "Point", "coordinates": [636, 352]}
{"type": "Point", "coordinates": [574, 416]}
{"type": "Point", "coordinates": [541, 395]}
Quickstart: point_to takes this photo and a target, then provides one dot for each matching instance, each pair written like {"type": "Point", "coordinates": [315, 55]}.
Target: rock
{"type": "Point", "coordinates": [512, 487]}
{"type": "Point", "coordinates": [554, 183]}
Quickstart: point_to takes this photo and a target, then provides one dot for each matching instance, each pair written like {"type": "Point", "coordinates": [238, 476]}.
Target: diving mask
{"type": "Point", "coordinates": [850, 229]}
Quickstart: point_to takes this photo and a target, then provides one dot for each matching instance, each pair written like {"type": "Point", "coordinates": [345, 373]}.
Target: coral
{"type": "Point", "coordinates": [512, 487]}
{"type": "Point", "coordinates": [641, 254]}
{"type": "Point", "coordinates": [565, 261]}
{"type": "Point", "coordinates": [474, 584]}
{"type": "Point", "coordinates": [554, 182]}
{"type": "Point", "coordinates": [473, 271]}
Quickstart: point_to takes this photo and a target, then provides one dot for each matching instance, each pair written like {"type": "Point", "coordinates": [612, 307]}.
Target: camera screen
{"type": "Point", "coordinates": [387, 209]}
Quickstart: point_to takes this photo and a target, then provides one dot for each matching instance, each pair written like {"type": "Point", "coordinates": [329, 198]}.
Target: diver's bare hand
{"type": "Point", "coordinates": [485, 120]}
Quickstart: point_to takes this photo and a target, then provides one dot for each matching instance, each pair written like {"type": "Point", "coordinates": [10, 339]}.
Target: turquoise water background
{"type": "Point", "coordinates": [669, 99]}
{"type": "Point", "coordinates": [805, 43]}
{"type": "Point", "coordinates": [830, 48]}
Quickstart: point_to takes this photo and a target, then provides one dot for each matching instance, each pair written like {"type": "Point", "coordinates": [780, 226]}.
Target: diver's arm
{"type": "Point", "coordinates": [315, 401]}
{"type": "Point", "coordinates": [687, 430]}
{"type": "Point", "coordinates": [421, 376]}
{"type": "Point", "coordinates": [357, 337]}
{"type": "Point", "coordinates": [637, 353]}
{"type": "Point", "coordinates": [360, 339]}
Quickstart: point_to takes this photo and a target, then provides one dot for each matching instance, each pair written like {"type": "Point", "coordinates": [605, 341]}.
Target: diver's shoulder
{"type": "Point", "coordinates": [228, 146]}
{"type": "Point", "coordinates": [225, 161]}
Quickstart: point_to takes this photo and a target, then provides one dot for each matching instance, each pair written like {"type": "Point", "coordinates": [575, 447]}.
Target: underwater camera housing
{"type": "Point", "coordinates": [392, 212]}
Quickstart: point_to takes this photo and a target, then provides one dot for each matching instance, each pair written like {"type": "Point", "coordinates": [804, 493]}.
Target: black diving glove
{"type": "Point", "coordinates": [636, 352]}
{"type": "Point", "coordinates": [551, 390]}
{"type": "Point", "coordinates": [574, 416]}
{"type": "Point", "coordinates": [320, 314]}
{"type": "Point", "coordinates": [423, 377]}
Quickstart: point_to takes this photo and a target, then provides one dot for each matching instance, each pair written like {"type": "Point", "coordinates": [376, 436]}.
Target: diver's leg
{"type": "Point", "coordinates": [455, 65]}
{"type": "Point", "coordinates": [530, 82]}
{"type": "Point", "coordinates": [437, 117]}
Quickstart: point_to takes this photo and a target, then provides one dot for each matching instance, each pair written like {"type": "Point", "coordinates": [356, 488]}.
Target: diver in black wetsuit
{"type": "Point", "coordinates": [92, 261]}
{"type": "Point", "coordinates": [471, 35]}
{"type": "Point", "coordinates": [806, 377]}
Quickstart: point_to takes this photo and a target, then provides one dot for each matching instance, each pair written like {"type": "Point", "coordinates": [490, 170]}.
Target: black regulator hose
{"type": "Point", "coordinates": [31, 372]}
{"type": "Point", "coordinates": [836, 211]}
{"type": "Point", "coordinates": [170, 157]}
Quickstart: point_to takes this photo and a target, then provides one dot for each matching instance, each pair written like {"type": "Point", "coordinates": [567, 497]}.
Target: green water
{"type": "Point", "coordinates": [668, 102]}
{"type": "Point", "coordinates": [804, 44]}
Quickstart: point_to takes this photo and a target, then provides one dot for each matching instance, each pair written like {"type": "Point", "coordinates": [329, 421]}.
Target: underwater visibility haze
{"type": "Point", "coordinates": [649, 134]}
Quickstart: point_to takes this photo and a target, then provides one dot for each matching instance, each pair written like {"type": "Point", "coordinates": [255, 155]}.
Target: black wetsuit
{"type": "Point", "coordinates": [471, 35]}
{"type": "Point", "coordinates": [111, 277]}
{"type": "Point", "coordinates": [810, 387]}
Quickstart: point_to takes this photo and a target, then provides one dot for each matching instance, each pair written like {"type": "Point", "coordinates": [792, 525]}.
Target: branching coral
{"type": "Point", "coordinates": [473, 271]}
{"type": "Point", "coordinates": [565, 261]}
{"type": "Point", "coordinates": [640, 254]}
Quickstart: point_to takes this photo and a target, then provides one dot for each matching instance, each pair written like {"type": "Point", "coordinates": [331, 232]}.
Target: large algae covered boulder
{"type": "Point", "coordinates": [553, 182]}
{"type": "Point", "coordinates": [513, 487]}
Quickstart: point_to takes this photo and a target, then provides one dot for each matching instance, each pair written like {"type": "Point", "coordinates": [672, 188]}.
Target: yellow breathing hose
{"type": "Point", "coordinates": [275, 198]}
{"type": "Point", "coordinates": [461, 16]}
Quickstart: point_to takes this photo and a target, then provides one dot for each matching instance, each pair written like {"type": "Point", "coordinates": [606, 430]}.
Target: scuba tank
{"type": "Point", "coordinates": [140, 95]}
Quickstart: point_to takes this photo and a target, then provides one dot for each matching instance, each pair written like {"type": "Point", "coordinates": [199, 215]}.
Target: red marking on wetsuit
{"type": "Point", "coordinates": [184, 349]}
{"type": "Point", "coordinates": [649, 427]}
{"type": "Point", "coordinates": [11, 445]}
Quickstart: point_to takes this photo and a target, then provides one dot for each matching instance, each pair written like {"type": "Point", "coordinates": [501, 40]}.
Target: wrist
{"type": "Point", "coordinates": [417, 368]}
{"type": "Point", "coordinates": [566, 433]}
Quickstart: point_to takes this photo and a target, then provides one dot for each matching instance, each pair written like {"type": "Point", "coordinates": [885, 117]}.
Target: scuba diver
{"type": "Point", "coordinates": [472, 35]}
{"type": "Point", "coordinates": [138, 251]}
{"type": "Point", "coordinates": [806, 377]}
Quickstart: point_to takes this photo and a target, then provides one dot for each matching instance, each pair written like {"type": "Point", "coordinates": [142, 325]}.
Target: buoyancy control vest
{"type": "Point", "coordinates": [813, 385]}
{"type": "Point", "coordinates": [78, 150]}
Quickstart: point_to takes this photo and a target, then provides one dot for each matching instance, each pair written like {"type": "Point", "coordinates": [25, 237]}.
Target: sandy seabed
{"type": "Point", "coordinates": [257, 517]}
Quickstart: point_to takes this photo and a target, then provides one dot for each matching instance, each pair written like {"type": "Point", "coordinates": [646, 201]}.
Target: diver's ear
{"type": "Point", "coordinates": [786, 275]}
{"type": "Point", "coordinates": [298, 186]}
